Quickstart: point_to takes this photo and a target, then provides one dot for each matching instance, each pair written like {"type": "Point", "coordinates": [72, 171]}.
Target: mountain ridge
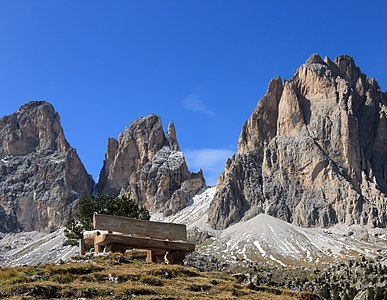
{"type": "Point", "coordinates": [313, 153]}
{"type": "Point", "coordinates": [42, 178]}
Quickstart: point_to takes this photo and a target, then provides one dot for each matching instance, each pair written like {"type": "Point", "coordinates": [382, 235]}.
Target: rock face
{"type": "Point", "coordinates": [41, 176]}
{"type": "Point", "coordinates": [149, 167]}
{"type": "Point", "coordinates": [313, 153]}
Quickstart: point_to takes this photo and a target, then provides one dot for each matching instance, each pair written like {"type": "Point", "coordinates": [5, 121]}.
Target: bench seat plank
{"type": "Point", "coordinates": [143, 243]}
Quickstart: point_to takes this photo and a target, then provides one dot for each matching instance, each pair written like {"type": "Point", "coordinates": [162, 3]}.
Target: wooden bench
{"type": "Point", "coordinates": [162, 241]}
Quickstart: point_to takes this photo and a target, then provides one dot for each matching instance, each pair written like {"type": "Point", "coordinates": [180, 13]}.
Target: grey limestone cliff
{"type": "Point", "coordinates": [313, 153]}
{"type": "Point", "coordinates": [148, 166]}
{"type": "Point", "coordinates": [41, 176]}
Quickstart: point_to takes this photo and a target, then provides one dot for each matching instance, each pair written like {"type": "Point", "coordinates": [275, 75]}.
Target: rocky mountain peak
{"type": "Point", "coordinates": [35, 126]}
{"type": "Point", "coordinates": [314, 59]}
{"type": "Point", "coordinates": [347, 67]}
{"type": "Point", "coordinates": [41, 176]}
{"type": "Point", "coordinates": [147, 166]}
{"type": "Point", "coordinates": [343, 66]}
{"type": "Point", "coordinates": [313, 152]}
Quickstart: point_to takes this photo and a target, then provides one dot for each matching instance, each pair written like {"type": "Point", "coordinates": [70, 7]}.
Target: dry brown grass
{"type": "Point", "coordinates": [115, 277]}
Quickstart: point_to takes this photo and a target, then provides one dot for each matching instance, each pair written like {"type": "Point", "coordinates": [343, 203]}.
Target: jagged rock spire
{"type": "Point", "coordinates": [171, 137]}
{"type": "Point", "coordinates": [148, 167]}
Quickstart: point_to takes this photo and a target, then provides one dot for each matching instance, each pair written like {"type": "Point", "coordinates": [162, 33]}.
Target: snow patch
{"type": "Point", "coordinates": [193, 215]}
{"type": "Point", "coordinates": [260, 249]}
{"type": "Point", "coordinates": [277, 261]}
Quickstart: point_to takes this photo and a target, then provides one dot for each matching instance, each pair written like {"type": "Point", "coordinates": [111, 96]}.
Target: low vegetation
{"type": "Point", "coordinates": [117, 277]}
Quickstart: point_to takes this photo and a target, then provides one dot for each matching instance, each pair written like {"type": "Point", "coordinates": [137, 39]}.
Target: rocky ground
{"type": "Point", "coordinates": [117, 277]}
{"type": "Point", "coordinates": [351, 279]}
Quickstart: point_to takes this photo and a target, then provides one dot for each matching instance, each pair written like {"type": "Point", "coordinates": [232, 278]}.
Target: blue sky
{"type": "Point", "coordinates": [202, 64]}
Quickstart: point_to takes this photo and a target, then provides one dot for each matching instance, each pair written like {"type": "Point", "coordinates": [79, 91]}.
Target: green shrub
{"type": "Point", "coordinates": [101, 204]}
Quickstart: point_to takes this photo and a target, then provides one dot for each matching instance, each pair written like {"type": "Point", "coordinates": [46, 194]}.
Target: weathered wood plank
{"type": "Point", "coordinates": [143, 243]}
{"type": "Point", "coordinates": [137, 253]}
{"type": "Point", "coordinates": [88, 237]}
{"type": "Point", "coordinates": [144, 228]}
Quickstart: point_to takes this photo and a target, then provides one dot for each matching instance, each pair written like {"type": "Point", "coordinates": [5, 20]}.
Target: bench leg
{"type": "Point", "coordinates": [98, 248]}
{"type": "Point", "coordinates": [149, 256]}
{"type": "Point", "coordinates": [81, 247]}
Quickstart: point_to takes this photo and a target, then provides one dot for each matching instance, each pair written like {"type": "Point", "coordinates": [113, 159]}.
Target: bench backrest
{"type": "Point", "coordinates": [142, 228]}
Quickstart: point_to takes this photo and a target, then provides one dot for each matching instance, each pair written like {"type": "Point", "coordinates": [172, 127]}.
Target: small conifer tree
{"type": "Point", "coordinates": [101, 204]}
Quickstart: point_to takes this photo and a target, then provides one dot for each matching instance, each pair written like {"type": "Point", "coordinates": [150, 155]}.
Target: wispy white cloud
{"type": "Point", "coordinates": [210, 160]}
{"type": "Point", "coordinates": [194, 103]}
